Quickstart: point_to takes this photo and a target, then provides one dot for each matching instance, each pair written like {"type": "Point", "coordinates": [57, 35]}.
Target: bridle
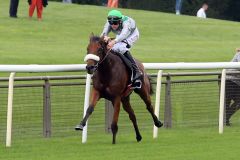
{"type": "Point", "coordinates": [100, 62]}
{"type": "Point", "coordinates": [95, 67]}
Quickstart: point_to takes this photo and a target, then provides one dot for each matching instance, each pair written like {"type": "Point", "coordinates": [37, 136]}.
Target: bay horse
{"type": "Point", "coordinates": [110, 81]}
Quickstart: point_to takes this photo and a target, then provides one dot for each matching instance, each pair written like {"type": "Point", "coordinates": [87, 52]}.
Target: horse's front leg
{"type": "Point", "coordinates": [94, 99]}
{"type": "Point", "coordinates": [114, 126]}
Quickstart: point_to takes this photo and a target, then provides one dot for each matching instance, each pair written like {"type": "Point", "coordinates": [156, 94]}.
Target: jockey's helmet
{"type": "Point", "coordinates": [114, 17]}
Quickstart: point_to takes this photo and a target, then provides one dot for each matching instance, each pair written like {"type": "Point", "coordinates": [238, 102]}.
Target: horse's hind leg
{"type": "Point", "coordinates": [95, 98]}
{"type": "Point", "coordinates": [127, 107]}
{"type": "Point", "coordinates": [145, 95]}
{"type": "Point", "coordinates": [148, 103]}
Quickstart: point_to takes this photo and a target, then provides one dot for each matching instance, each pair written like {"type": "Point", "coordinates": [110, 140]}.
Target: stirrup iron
{"type": "Point", "coordinates": [137, 84]}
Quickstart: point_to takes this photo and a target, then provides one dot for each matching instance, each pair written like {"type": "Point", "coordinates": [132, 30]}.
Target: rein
{"type": "Point", "coordinates": [104, 58]}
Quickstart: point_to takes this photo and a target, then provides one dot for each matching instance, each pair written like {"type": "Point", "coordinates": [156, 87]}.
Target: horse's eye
{"type": "Point", "coordinates": [100, 49]}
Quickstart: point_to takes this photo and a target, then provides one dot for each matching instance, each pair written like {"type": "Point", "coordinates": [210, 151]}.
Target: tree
{"type": "Point", "coordinates": [220, 9]}
{"type": "Point", "coordinates": [232, 12]}
{"type": "Point", "coordinates": [155, 5]}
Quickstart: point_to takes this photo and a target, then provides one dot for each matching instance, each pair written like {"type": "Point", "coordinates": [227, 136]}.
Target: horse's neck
{"type": "Point", "coordinates": [110, 73]}
{"type": "Point", "coordinates": [105, 67]}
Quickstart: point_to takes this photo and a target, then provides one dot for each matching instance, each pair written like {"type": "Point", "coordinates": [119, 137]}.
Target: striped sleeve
{"type": "Point", "coordinates": [106, 29]}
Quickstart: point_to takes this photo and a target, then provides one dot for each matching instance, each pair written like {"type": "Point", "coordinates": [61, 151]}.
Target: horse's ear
{"type": "Point", "coordinates": [102, 38]}
{"type": "Point", "coordinates": [102, 41]}
{"type": "Point", "coordinates": [91, 35]}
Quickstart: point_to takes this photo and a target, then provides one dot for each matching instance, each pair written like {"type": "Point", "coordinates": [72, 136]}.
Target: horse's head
{"type": "Point", "coordinates": [96, 51]}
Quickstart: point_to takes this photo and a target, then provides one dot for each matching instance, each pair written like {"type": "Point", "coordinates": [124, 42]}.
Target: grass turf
{"type": "Point", "coordinates": [62, 36]}
{"type": "Point", "coordinates": [171, 144]}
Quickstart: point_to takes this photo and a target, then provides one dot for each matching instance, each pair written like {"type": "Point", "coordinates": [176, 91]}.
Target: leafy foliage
{"type": "Point", "coordinates": [220, 9]}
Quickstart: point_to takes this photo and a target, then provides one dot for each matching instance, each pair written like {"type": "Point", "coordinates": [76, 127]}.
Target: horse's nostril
{"type": "Point", "coordinates": [89, 67]}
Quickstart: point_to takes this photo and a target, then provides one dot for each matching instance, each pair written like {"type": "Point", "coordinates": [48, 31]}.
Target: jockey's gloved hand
{"type": "Point", "coordinates": [106, 39]}
{"type": "Point", "coordinates": [111, 44]}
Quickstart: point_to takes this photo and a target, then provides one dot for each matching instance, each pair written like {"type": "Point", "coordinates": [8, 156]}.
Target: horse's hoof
{"type": "Point", "coordinates": [79, 127]}
{"type": "Point", "coordinates": [139, 138]}
{"type": "Point", "coordinates": [158, 124]}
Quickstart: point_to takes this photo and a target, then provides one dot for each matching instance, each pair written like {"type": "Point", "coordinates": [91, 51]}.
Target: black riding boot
{"type": "Point", "coordinates": [137, 74]}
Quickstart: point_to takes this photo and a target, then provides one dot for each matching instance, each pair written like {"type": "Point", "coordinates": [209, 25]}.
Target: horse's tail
{"type": "Point", "coordinates": [150, 83]}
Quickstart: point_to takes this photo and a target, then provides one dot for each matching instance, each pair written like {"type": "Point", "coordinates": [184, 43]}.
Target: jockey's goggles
{"type": "Point", "coordinates": [113, 20]}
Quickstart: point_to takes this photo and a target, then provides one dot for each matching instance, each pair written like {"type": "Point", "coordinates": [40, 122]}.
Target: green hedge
{"type": "Point", "coordinates": [220, 9]}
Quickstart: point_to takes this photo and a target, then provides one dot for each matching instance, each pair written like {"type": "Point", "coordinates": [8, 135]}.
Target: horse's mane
{"type": "Point", "coordinates": [96, 38]}
{"type": "Point", "coordinates": [99, 40]}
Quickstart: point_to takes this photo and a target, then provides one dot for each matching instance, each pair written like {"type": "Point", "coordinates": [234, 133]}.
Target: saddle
{"type": "Point", "coordinates": [133, 84]}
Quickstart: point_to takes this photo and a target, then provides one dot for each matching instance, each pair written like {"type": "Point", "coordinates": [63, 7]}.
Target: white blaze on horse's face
{"type": "Point", "coordinates": [92, 57]}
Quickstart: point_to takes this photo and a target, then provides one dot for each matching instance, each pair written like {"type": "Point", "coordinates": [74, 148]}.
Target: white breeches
{"type": "Point", "coordinates": [121, 47]}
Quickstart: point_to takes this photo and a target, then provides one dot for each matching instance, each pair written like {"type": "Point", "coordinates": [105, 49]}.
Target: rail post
{"type": "Point", "coordinates": [108, 116]}
{"type": "Point", "coordinates": [46, 109]}
{"type": "Point", "coordinates": [168, 104]}
{"type": "Point", "coordinates": [86, 105]}
{"type": "Point", "coordinates": [222, 102]}
{"type": "Point", "coordinates": [157, 101]}
{"type": "Point", "coordinates": [9, 110]}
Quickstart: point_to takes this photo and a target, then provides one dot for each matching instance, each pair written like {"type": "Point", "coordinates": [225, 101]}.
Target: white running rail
{"type": "Point", "coordinates": [81, 67]}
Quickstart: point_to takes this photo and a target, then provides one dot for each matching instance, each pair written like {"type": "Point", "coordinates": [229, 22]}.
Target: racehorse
{"type": "Point", "coordinates": [232, 99]}
{"type": "Point", "coordinates": [111, 79]}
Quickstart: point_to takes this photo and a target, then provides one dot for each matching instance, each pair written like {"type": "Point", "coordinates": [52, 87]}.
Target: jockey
{"type": "Point", "coordinates": [126, 35]}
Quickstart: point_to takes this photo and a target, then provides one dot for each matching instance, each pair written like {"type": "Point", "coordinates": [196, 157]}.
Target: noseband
{"type": "Point", "coordinates": [97, 58]}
